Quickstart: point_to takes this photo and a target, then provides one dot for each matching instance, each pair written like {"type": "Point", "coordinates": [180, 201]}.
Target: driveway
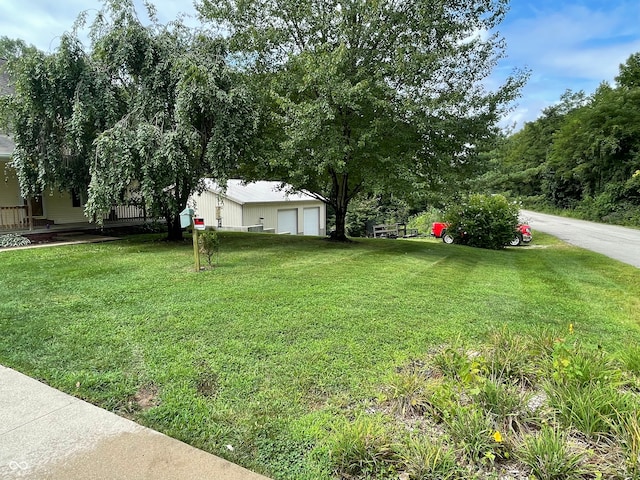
{"type": "Point", "coordinates": [616, 242]}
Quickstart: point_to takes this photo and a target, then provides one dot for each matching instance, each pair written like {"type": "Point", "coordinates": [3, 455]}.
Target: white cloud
{"type": "Point", "coordinates": [568, 46]}
{"type": "Point", "coordinates": [42, 22]}
{"type": "Point", "coordinates": [575, 41]}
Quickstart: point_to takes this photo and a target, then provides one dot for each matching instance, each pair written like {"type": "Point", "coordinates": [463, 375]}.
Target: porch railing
{"type": "Point", "coordinates": [17, 217]}
{"type": "Point", "coordinates": [124, 213]}
{"type": "Point", "coordinates": [14, 217]}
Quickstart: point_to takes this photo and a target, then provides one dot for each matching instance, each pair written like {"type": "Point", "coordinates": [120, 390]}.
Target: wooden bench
{"type": "Point", "coordinates": [394, 230]}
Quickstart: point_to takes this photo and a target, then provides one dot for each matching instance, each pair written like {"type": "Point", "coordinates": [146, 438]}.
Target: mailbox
{"type": "Point", "coordinates": [198, 223]}
{"type": "Point", "coordinates": [185, 217]}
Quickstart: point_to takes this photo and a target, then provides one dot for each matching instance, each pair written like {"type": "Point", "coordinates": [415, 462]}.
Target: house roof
{"type": "Point", "coordinates": [257, 192]}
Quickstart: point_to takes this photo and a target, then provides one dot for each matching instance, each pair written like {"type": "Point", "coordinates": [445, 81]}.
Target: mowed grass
{"type": "Point", "coordinates": [257, 359]}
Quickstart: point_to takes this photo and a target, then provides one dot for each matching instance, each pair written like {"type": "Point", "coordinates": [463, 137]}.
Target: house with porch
{"type": "Point", "coordinates": [46, 209]}
{"type": "Point", "coordinates": [51, 207]}
{"type": "Point", "coordinates": [19, 213]}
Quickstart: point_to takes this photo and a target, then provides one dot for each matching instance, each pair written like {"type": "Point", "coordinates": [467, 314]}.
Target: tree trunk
{"type": "Point", "coordinates": [173, 228]}
{"type": "Point", "coordinates": [340, 233]}
{"type": "Point", "coordinates": [340, 203]}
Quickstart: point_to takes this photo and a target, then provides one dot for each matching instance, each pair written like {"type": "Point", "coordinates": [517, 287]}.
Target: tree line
{"type": "Point", "coordinates": [582, 154]}
{"type": "Point", "coordinates": [340, 99]}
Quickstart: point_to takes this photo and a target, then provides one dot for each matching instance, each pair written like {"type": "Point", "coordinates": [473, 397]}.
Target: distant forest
{"type": "Point", "coordinates": [582, 155]}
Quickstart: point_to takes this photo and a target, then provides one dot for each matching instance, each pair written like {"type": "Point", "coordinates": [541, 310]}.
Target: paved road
{"type": "Point", "coordinates": [616, 242]}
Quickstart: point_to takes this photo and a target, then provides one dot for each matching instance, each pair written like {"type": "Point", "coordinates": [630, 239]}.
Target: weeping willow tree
{"type": "Point", "coordinates": [57, 108]}
{"type": "Point", "coordinates": [140, 117]}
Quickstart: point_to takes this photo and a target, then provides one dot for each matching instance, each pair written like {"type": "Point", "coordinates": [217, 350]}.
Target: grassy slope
{"type": "Point", "coordinates": [261, 352]}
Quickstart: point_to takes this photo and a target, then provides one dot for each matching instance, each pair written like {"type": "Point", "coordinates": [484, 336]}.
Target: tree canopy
{"type": "Point", "coordinates": [58, 108]}
{"type": "Point", "coordinates": [141, 117]}
{"type": "Point", "coordinates": [582, 153]}
{"type": "Point", "coordinates": [367, 96]}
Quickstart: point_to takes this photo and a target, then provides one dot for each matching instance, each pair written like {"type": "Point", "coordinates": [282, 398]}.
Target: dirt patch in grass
{"type": "Point", "coordinates": [146, 397]}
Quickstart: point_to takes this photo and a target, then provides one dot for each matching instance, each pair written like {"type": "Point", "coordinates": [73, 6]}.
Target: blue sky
{"type": "Point", "coordinates": [567, 44]}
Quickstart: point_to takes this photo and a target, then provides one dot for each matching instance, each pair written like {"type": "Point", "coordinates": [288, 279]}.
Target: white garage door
{"type": "Point", "coordinates": [311, 221]}
{"type": "Point", "coordinates": [288, 221]}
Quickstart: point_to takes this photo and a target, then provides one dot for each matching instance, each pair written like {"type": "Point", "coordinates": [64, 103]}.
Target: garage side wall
{"type": "Point", "coordinates": [206, 204]}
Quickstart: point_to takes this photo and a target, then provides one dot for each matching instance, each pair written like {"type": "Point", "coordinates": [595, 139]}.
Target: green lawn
{"type": "Point", "coordinates": [266, 352]}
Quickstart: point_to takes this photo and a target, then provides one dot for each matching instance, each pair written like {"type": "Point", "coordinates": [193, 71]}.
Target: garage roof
{"type": "Point", "coordinates": [258, 192]}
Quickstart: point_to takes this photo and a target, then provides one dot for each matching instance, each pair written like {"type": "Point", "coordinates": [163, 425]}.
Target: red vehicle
{"type": "Point", "coordinates": [523, 233]}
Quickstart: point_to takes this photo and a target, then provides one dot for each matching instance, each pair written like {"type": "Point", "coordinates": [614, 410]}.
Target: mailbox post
{"type": "Point", "coordinates": [187, 220]}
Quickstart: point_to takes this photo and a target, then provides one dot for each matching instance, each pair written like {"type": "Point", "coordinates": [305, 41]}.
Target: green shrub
{"type": "Point", "coordinates": [209, 244]}
{"type": "Point", "coordinates": [485, 221]}
{"type": "Point", "coordinates": [422, 221]}
{"type": "Point", "coordinates": [362, 214]}
{"type": "Point", "coordinates": [365, 212]}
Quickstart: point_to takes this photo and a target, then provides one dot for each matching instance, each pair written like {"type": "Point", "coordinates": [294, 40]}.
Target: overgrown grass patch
{"type": "Point", "coordinates": [559, 425]}
{"type": "Point", "coordinates": [290, 339]}
{"type": "Point", "coordinates": [548, 456]}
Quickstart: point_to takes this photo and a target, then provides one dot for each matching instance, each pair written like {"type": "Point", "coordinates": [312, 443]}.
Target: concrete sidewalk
{"type": "Point", "coordinates": [67, 239]}
{"type": "Point", "coordinates": [48, 435]}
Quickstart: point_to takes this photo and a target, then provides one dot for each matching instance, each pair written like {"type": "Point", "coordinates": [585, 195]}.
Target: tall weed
{"type": "Point", "coordinates": [548, 456]}
{"type": "Point", "coordinates": [361, 447]}
{"type": "Point", "coordinates": [427, 459]}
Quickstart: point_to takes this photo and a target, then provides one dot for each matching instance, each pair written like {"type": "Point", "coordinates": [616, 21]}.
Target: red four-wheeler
{"type": "Point", "coordinates": [523, 233]}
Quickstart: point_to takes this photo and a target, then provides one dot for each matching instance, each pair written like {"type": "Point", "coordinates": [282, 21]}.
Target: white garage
{"type": "Point", "coordinates": [260, 206]}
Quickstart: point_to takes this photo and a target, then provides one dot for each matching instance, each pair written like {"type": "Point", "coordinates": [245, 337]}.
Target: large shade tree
{"type": "Point", "coordinates": [140, 118]}
{"type": "Point", "coordinates": [368, 95]}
